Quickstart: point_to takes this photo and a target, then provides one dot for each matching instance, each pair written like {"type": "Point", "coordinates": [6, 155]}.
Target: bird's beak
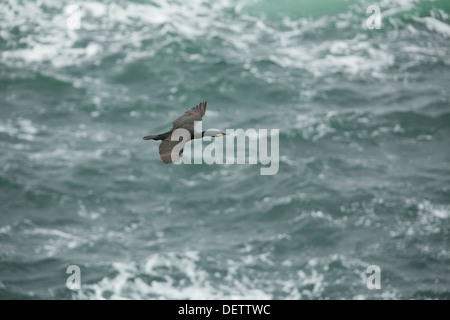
{"type": "Point", "coordinates": [221, 134]}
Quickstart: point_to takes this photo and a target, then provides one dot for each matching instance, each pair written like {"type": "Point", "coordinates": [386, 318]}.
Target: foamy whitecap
{"type": "Point", "coordinates": [434, 24]}
{"type": "Point", "coordinates": [167, 276]}
{"type": "Point", "coordinates": [51, 242]}
{"type": "Point", "coordinates": [23, 129]}
{"type": "Point", "coordinates": [429, 219]}
{"type": "Point", "coordinates": [60, 46]}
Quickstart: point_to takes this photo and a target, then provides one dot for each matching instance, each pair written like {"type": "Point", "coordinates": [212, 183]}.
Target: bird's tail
{"type": "Point", "coordinates": [152, 137]}
{"type": "Point", "coordinates": [161, 136]}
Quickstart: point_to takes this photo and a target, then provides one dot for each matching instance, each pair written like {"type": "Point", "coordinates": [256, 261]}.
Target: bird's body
{"type": "Point", "coordinates": [187, 122]}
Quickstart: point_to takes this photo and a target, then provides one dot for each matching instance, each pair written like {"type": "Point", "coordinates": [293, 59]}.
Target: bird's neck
{"type": "Point", "coordinates": [197, 134]}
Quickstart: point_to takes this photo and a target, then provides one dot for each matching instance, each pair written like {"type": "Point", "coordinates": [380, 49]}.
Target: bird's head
{"type": "Point", "coordinates": [213, 133]}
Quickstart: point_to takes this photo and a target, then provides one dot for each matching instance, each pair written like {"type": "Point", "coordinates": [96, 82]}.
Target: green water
{"type": "Point", "coordinates": [363, 176]}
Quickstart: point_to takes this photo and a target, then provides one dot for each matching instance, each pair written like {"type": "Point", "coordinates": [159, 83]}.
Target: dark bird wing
{"type": "Point", "coordinates": [186, 121]}
{"type": "Point", "coordinates": [166, 152]}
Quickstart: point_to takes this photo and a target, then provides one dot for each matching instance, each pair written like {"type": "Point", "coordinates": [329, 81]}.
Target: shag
{"type": "Point", "coordinates": [186, 121]}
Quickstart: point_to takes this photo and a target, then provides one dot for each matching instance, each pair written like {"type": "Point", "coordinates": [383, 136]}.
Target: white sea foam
{"type": "Point", "coordinates": [430, 219]}
{"type": "Point", "coordinates": [52, 241]}
{"type": "Point", "coordinates": [23, 129]}
{"type": "Point", "coordinates": [184, 276]}
{"type": "Point", "coordinates": [64, 154]}
{"type": "Point", "coordinates": [439, 211]}
{"type": "Point", "coordinates": [434, 24]}
{"type": "Point", "coordinates": [188, 20]}
{"type": "Point", "coordinates": [193, 282]}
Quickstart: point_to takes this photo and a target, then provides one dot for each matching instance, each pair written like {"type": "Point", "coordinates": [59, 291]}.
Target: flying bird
{"type": "Point", "coordinates": [186, 121]}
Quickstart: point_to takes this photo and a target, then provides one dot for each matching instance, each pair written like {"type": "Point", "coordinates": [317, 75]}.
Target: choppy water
{"type": "Point", "coordinates": [364, 123]}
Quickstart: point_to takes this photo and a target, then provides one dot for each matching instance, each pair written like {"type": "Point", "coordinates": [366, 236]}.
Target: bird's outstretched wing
{"type": "Point", "coordinates": [166, 152]}
{"type": "Point", "coordinates": [188, 118]}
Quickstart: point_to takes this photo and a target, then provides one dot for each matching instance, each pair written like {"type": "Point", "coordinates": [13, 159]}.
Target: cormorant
{"type": "Point", "coordinates": [186, 121]}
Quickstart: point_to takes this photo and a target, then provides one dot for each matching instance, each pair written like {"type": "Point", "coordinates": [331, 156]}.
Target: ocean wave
{"type": "Point", "coordinates": [351, 126]}
{"type": "Point", "coordinates": [167, 276]}
{"type": "Point", "coordinates": [22, 129]}
{"type": "Point", "coordinates": [153, 29]}
{"type": "Point", "coordinates": [191, 276]}
{"type": "Point", "coordinates": [429, 218]}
